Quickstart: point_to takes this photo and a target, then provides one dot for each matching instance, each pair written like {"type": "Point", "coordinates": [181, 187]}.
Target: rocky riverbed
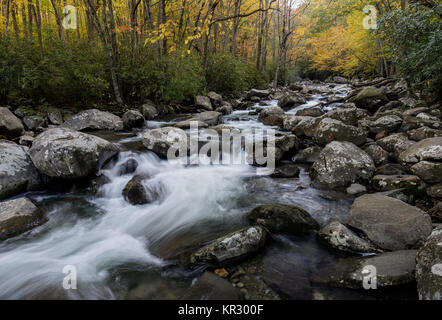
{"type": "Point", "coordinates": [358, 184]}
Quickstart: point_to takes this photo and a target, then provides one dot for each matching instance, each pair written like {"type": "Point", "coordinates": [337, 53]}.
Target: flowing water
{"type": "Point", "coordinates": [122, 251]}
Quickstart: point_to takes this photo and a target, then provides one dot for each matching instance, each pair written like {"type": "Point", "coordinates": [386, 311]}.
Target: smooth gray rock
{"type": "Point", "coordinates": [379, 155]}
{"type": "Point", "coordinates": [203, 102]}
{"type": "Point", "coordinates": [356, 189]}
{"type": "Point", "coordinates": [162, 139]}
{"type": "Point", "coordinates": [149, 111]}
{"type": "Point", "coordinates": [231, 248]}
{"type": "Point", "coordinates": [133, 119]}
{"type": "Point", "coordinates": [10, 125]}
{"type": "Point", "coordinates": [427, 149]}
{"type": "Point", "coordinates": [430, 172]}
{"type": "Point", "coordinates": [17, 172]}
{"type": "Point", "coordinates": [340, 237]}
{"type": "Point", "coordinates": [212, 287]}
{"type": "Point", "coordinates": [301, 126]}
{"type": "Point", "coordinates": [35, 122]}
{"type": "Point", "coordinates": [341, 163]}
{"type": "Point", "coordinates": [68, 154]}
{"type": "Point", "coordinates": [329, 130]}
{"type": "Point", "coordinates": [395, 143]}
{"type": "Point", "coordinates": [18, 216]}
{"type": "Point", "coordinates": [389, 223]}
{"type": "Point", "coordinates": [94, 119]}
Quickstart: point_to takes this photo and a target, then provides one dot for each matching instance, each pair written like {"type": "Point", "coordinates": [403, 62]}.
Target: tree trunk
{"type": "Point", "coordinates": [58, 21]}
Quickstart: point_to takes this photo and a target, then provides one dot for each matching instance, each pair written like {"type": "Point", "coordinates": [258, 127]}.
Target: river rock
{"type": "Point", "coordinates": [68, 154]}
{"type": "Point", "coordinates": [347, 113]}
{"type": "Point", "coordinates": [133, 119]}
{"type": "Point", "coordinates": [203, 102]}
{"type": "Point", "coordinates": [215, 98]}
{"type": "Point", "coordinates": [212, 287]}
{"type": "Point", "coordinates": [369, 98]}
{"type": "Point", "coordinates": [271, 116]}
{"type": "Point", "coordinates": [310, 112]}
{"type": "Point", "coordinates": [436, 211]}
{"type": "Point", "coordinates": [35, 122]}
{"type": "Point", "coordinates": [301, 126]}
{"type": "Point", "coordinates": [55, 116]}
{"type": "Point", "coordinates": [386, 123]}
{"type": "Point", "coordinates": [392, 269]}
{"type": "Point", "coordinates": [329, 130]}
{"type": "Point", "coordinates": [149, 110]}
{"type": "Point", "coordinates": [286, 171]}
{"type": "Point", "coordinates": [26, 141]}
{"type": "Point", "coordinates": [379, 155]}
{"type": "Point", "coordinates": [258, 93]}
{"type": "Point", "coordinates": [225, 108]}
{"type": "Point", "coordinates": [391, 169]}
{"type": "Point", "coordinates": [18, 216]}
{"type": "Point", "coordinates": [308, 155]}
{"type": "Point", "coordinates": [389, 223]}
{"type": "Point", "coordinates": [395, 143]}
{"type": "Point", "coordinates": [341, 163]}
{"type": "Point", "coordinates": [231, 248]}
{"type": "Point", "coordinates": [427, 149]}
{"type": "Point", "coordinates": [429, 267]}
{"type": "Point", "coordinates": [435, 191]}
{"type": "Point", "coordinates": [411, 123]}
{"type": "Point", "coordinates": [212, 118]}
{"type": "Point", "coordinates": [391, 182]}
{"type": "Point", "coordinates": [430, 172]}
{"type": "Point", "coordinates": [139, 191]}
{"type": "Point", "coordinates": [340, 237]}
{"type": "Point", "coordinates": [282, 218]}
{"type": "Point", "coordinates": [423, 133]}
{"type": "Point", "coordinates": [94, 119]}
{"type": "Point", "coordinates": [162, 139]}
{"type": "Point", "coordinates": [291, 100]}
{"type": "Point", "coordinates": [17, 172]}
{"type": "Point", "coordinates": [10, 125]}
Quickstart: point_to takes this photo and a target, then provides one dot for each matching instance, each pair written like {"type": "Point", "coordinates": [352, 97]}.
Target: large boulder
{"type": "Point", "coordinates": [395, 144]}
{"type": "Point", "coordinates": [301, 126]}
{"type": "Point", "coordinates": [288, 101]}
{"type": "Point", "coordinates": [430, 172]}
{"type": "Point", "coordinates": [212, 118]}
{"type": "Point", "coordinates": [282, 218]}
{"type": "Point", "coordinates": [379, 155]}
{"type": "Point", "coordinates": [369, 98]}
{"type": "Point", "coordinates": [231, 248]}
{"type": "Point", "coordinates": [215, 98]}
{"type": "Point", "coordinates": [133, 119]}
{"type": "Point", "coordinates": [310, 112]}
{"type": "Point", "coordinates": [387, 269]}
{"type": "Point", "coordinates": [149, 111]}
{"type": "Point", "coordinates": [341, 163]}
{"type": "Point", "coordinates": [10, 125]}
{"type": "Point", "coordinates": [329, 130]}
{"type": "Point", "coordinates": [17, 172]}
{"type": "Point", "coordinates": [427, 149]}
{"type": "Point", "coordinates": [429, 267]}
{"type": "Point", "coordinates": [162, 139]}
{"type": "Point", "coordinates": [342, 238]}
{"type": "Point", "coordinates": [347, 113]}
{"type": "Point", "coordinates": [67, 154]}
{"type": "Point", "coordinates": [94, 119]}
{"type": "Point", "coordinates": [423, 133]}
{"type": "Point", "coordinates": [18, 216]}
{"type": "Point", "coordinates": [35, 122]}
{"type": "Point", "coordinates": [272, 116]}
{"type": "Point", "coordinates": [388, 123]}
{"type": "Point", "coordinates": [389, 223]}
{"type": "Point", "coordinates": [258, 93]}
{"type": "Point", "coordinates": [203, 102]}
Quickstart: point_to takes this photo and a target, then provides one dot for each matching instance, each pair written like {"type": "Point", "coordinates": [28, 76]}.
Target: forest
{"type": "Point", "coordinates": [82, 53]}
